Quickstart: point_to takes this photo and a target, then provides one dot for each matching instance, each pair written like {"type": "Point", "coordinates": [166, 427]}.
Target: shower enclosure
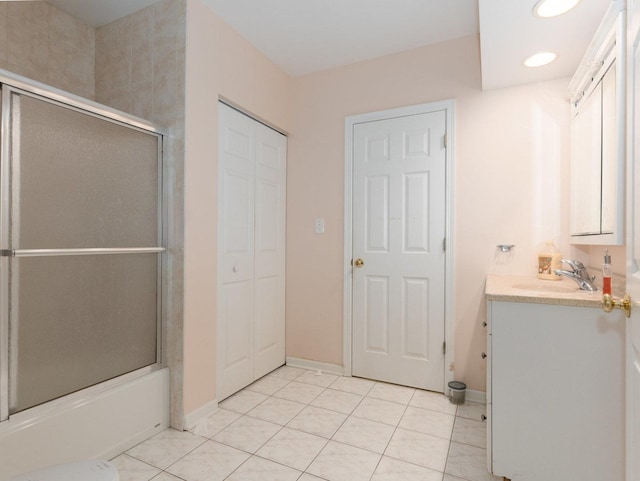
{"type": "Point", "coordinates": [81, 239]}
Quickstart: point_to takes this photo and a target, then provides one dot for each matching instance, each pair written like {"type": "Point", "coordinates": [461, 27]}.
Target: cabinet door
{"type": "Point", "coordinates": [586, 165]}
{"type": "Point", "coordinates": [610, 149]}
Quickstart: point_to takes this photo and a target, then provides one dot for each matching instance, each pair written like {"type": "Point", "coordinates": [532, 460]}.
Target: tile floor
{"type": "Point", "coordinates": [295, 424]}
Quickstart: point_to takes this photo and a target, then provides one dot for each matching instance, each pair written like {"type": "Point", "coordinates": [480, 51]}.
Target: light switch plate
{"type": "Point", "coordinates": [319, 225]}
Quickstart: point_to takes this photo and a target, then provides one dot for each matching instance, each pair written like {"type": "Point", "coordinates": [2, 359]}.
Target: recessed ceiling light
{"type": "Point", "coordinates": [540, 59]}
{"type": "Point", "coordinates": [553, 8]}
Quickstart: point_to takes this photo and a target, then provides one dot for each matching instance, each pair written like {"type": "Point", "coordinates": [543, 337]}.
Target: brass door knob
{"type": "Point", "coordinates": [358, 263]}
{"type": "Point", "coordinates": [609, 303]}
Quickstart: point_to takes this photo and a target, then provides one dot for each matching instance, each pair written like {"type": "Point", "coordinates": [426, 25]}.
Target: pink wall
{"type": "Point", "coordinates": [219, 63]}
{"type": "Point", "coordinates": [511, 156]}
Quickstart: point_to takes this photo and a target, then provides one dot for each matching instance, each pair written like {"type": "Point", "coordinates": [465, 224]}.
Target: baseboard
{"type": "Point", "coordinates": [315, 365]}
{"type": "Point", "coordinates": [192, 419]}
{"type": "Point", "coordinates": [476, 396]}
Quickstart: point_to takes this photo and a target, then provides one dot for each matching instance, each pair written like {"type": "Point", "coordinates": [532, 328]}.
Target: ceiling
{"type": "Point", "coordinates": [305, 36]}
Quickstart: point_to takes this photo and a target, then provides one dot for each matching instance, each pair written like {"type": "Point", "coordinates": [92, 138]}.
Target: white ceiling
{"type": "Point", "coordinates": [304, 36]}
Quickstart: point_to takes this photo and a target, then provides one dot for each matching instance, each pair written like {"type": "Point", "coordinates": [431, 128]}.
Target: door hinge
{"type": "Point", "coordinates": [444, 347]}
{"type": "Point", "coordinates": [444, 244]}
{"type": "Point", "coordinates": [445, 140]}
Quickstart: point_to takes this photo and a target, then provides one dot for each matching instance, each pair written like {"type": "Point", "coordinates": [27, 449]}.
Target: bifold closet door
{"type": "Point", "coordinates": [251, 255]}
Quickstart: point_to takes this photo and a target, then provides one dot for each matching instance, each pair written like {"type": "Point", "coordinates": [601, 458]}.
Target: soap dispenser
{"type": "Point", "coordinates": [607, 271]}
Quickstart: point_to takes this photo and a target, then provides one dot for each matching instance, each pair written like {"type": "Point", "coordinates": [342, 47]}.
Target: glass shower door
{"type": "Point", "coordinates": [81, 238]}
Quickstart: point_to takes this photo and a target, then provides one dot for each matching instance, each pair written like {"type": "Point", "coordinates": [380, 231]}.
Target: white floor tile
{"type": "Point", "coordinates": [432, 400]}
{"type": "Point", "coordinates": [131, 469]}
{"type": "Point", "coordinates": [386, 412]}
{"type": "Point", "coordinates": [214, 423]}
{"type": "Point", "coordinates": [391, 392]}
{"type": "Point", "coordinates": [247, 433]}
{"type": "Point", "coordinates": [299, 392]}
{"type": "Point", "coordinates": [353, 385]}
{"type": "Point", "coordinates": [309, 477]}
{"type": "Point", "coordinates": [288, 372]}
{"type": "Point", "coordinates": [468, 431]}
{"type": "Point", "coordinates": [428, 422]}
{"type": "Point", "coordinates": [322, 379]}
{"type": "Point", "coordinates": [417, 448]}
{"type": "Point", "coordinates": [471, 410]}
{"type": "Point", "coordinates": [244, 401]}
{"type": "Point", "coordinates": [390, 469]}
{"type": "Point", "coordinates": [258, 469]}
{"type": "Point", "coordinates": [164, 476]}
{"type": "Point", "coordinates": [210, 462]}
{"type": "Point", "coordinates": [339, 462]}
{"type": "Point", "coordinates": [365, 434]}
{"type": "Point", "coordinates": [166, 448]}
{"type": "Point", "coordinates": [293, 448]}
{"type": "Point", "coordinates": [318, 421]}
{"type": "Point", "coordinates": [469, 463]}
{"type": "Point", "coordinates": [268, 385]}
{"type": "Point", "coordinates": [275, 410]}
{"type": "Point", "coordinates": [339, 401]}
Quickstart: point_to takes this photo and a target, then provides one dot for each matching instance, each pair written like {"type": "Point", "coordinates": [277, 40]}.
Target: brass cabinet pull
{"type": "Point", "coordinates": [358, 263]}
{"type": "Point", "coordinates": [609, 303]}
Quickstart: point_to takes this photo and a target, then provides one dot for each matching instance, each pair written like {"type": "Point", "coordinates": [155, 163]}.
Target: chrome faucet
{"type": "Point", "coordinates": [579, 274]}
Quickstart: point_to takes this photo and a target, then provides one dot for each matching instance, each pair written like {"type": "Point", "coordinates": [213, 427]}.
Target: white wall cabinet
{"type": "Point", "coordinates": [251, 251]}
{"type": "Point", "coordinates": [555, 392]}
{"type": "Point", "coordinates": [597, 136]}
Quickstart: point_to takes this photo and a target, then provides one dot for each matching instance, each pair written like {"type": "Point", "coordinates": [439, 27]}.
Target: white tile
{"type": "Point", "coordinates": [258, 469]}
{"type": "Point", "coordinates": [417, 448]}
{"type": "Point", "coordinates": [243, 401]}
{"type": "Point", "coordinates": [166, 448]}
{"type": "Point", "coordinates": [339, 462]}
{"type": "Point", "coordinates": [287, 372]}
{"type": "Point", "coordinates": [432, 400]}
{"type": "Point", "coordinates": [210, 462]}
{"type": "Point", "coordinates": [164, 476]}
{"type": "Point", "coordinates": [386, 412]}
{"type": "Point", "coordinates": [469, 463]}
{"type": "Point", "coordinates": [342, 402]}
{"type": "Point", "coordinates": [293, 448]}
{"type": "Point", "coordinates": [468, 431]}
{"type": "Point", "coordinates": [428, 422]}
{"type": "Point", "coordinates": [299, 392]}
{"type": "Point", "coordinates": [130, 469]}
{"type": "Point", "coordinates": [268, 385]}
{"type": "Point", "coordinates": [321, 422]}
{"type": "Point", "coordinates": [471, 410]}
{"type": "Point", "coordinates": [309, 477]}
{"type": "Point", "coordinates": [279, 411]}
{"type": "Point", "coordinates": [353, 385]}
{"type": "Point", "coordinates": [365, 434]}
{"type": "Point", "coordinates": [214, 423]}
{"type": "Point", "coordinates": [390, 469]}
{"type": "Point", "coordinates": [317, 379]}
{"type": "Point", "coordinates": [247, 433]}
{"type": "Point", "coordinates": [448, 477]}
{"type": "Point", "coordinates": [391, 392]}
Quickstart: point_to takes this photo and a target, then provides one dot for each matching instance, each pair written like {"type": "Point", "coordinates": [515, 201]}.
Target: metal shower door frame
{"type": "Point", "coordinates": [11, 85]}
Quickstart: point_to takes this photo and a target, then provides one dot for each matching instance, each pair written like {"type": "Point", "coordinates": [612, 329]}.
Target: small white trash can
{"type": "Point", "coordinates": [457, 391]}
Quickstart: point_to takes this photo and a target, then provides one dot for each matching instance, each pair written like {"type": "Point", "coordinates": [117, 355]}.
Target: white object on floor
{"type": "Point", "coordinates": [92, 470]}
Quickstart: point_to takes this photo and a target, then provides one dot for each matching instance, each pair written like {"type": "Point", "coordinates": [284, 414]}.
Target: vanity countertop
{"type": "Point", "coordinates": [531, 289]}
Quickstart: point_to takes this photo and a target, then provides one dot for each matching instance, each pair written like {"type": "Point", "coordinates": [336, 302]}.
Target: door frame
{"type": "Point", "coordinates": [347, 315]}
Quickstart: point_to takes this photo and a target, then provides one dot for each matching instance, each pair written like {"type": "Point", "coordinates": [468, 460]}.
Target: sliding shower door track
{"type": "Point", "coordinates": [79, 252]}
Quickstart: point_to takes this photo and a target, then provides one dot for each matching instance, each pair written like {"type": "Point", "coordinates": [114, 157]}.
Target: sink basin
{"type": "Point", "coordinates": [551, 286]}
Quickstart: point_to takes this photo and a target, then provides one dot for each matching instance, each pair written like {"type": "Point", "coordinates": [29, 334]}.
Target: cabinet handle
{"type": "Point", "coordinates": [483, 417]}
{"type": "Point", "coordinates": [483, 355]}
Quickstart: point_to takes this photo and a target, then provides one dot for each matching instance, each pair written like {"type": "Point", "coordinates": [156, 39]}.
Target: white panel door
{"type": "Point", "coordinates": [633, 243]}
{"type": "Point", "coordinates": [251, 230]}
{"type": "Point", "coordinates": [399, 169]}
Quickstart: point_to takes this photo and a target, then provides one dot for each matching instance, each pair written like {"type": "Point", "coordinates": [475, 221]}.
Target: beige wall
{"type": "Point", "coordinates": [43, 43]}
{"type": "Point", "coordinates": [511, 153]}
{"type": "Point", "coordinates": [220, 63]}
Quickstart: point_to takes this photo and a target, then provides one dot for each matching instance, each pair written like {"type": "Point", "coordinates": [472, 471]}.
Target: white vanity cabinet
{"type": "Point", "coordinates": [555, 391]}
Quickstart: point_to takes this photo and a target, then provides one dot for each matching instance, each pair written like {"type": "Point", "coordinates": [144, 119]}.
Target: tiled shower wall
{"type": "Point", "coordinates": [41, 42]}
{"type": "Point", "coordinates": [135, 64]}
